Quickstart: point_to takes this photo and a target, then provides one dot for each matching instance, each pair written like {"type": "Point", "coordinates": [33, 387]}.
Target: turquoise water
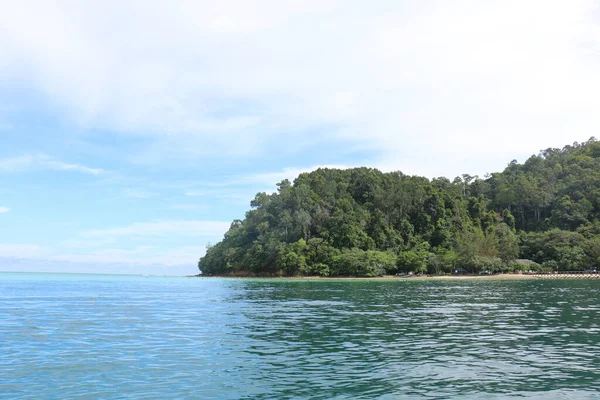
{"type": "Point", "coordinates": [95, 336]}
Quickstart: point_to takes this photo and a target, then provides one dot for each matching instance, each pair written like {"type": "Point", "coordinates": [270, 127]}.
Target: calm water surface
{"type": "Point", "coordinates": [94, 336]}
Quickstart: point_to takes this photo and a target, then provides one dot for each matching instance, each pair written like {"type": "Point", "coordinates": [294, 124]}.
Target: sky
{"type": "Point", "coordinates": [133, 132]}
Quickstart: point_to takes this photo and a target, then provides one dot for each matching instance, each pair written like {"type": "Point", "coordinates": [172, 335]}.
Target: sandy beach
{"type": "Point", "coordinates": [391, 277]}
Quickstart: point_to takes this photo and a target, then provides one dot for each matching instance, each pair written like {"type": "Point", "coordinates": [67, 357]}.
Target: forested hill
{"type": "Point", "coordinates": [362, 222]}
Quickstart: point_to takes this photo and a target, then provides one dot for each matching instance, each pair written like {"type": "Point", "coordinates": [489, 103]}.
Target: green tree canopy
{"type": "Point", "coordinates": [363, 222]}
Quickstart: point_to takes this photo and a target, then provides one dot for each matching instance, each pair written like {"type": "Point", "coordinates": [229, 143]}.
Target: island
{"type": "Point", "coordinates": [362, 222]}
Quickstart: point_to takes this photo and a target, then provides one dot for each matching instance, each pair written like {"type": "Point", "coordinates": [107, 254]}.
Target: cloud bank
{"type": "Point", "coordinates": [34, 162]}
{"type": "Point", "coordinates": [427, 86]}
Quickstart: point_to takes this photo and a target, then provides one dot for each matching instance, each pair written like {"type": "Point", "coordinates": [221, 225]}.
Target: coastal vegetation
{"type": "Point", "coordinates": [363, 222]}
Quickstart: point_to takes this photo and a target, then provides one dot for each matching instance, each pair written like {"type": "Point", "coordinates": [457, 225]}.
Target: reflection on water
{"type": "Point", "coordinates": [71, 336]}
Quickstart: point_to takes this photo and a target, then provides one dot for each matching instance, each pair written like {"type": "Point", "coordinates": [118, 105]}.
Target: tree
{"type": "Point", "coordinates": [414, 260]}
{"type": "Point", "coordinates": [508, 243]}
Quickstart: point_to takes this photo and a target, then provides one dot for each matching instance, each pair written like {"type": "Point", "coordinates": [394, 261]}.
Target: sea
{"type": "Point", "coordinates": [69, 336]}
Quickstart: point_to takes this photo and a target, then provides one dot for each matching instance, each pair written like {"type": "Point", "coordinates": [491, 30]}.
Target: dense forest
{"type": "Point", "coordinates": [362, 222]}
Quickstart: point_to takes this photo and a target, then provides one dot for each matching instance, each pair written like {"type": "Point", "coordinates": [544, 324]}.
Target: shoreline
{"type": "Point", "coordinates": [382, 278]}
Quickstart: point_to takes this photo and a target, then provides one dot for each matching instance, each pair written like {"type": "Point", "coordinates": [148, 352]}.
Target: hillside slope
{"type": "Point", "coordinates": [362, 222]}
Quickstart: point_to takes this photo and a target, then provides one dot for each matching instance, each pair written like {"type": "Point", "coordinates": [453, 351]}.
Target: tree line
{"type": "Point", "coordinates": [363, 222]}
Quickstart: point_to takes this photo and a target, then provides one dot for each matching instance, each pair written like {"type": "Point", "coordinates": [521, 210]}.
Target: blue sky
{"type": "Point", "coordinates": [132, 133]}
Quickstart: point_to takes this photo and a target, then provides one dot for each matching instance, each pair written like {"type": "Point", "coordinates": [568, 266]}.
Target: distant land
{"type": "Point", "coordinates": [363, 222]}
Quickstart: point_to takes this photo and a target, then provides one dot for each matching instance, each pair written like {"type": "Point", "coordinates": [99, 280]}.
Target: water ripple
{"type": "Point", "coordinates": [67, 336]}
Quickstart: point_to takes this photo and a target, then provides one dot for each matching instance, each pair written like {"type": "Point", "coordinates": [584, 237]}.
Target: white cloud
{"type": "Point", "coordinates": [16, 164]}
{"type": "Point", "coordinates": [272, 178]}
{"type": "Point", "coordinates": [137, 193]}
{"type": "Point", "coordinates": [21, 250]}
{"type": "Point", "coordinates": [143, 259]}
{"type": "Point", "coordinates": [43, 162]}
{"type": "Point", "coordinates": [61, 166]}
{"type": "Point", "coordinates": [149, 243]}
{"type": "Point", "coordinates": [4, 210]}
{"type": "Point", "coordinates": [242, 186]}
{"type": "Point", "coordinates": [236, 196]}
{"type": "Point", "coordinates": [141, 255]}
{"type": "Point", "coordinates": [97, 254]}
{"type": "Point", "coordinates": [163, 228]}
{"type": "Point", "coordinates": [432, 87]}
{"type": "Point", "coordinates": [190, 207]}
